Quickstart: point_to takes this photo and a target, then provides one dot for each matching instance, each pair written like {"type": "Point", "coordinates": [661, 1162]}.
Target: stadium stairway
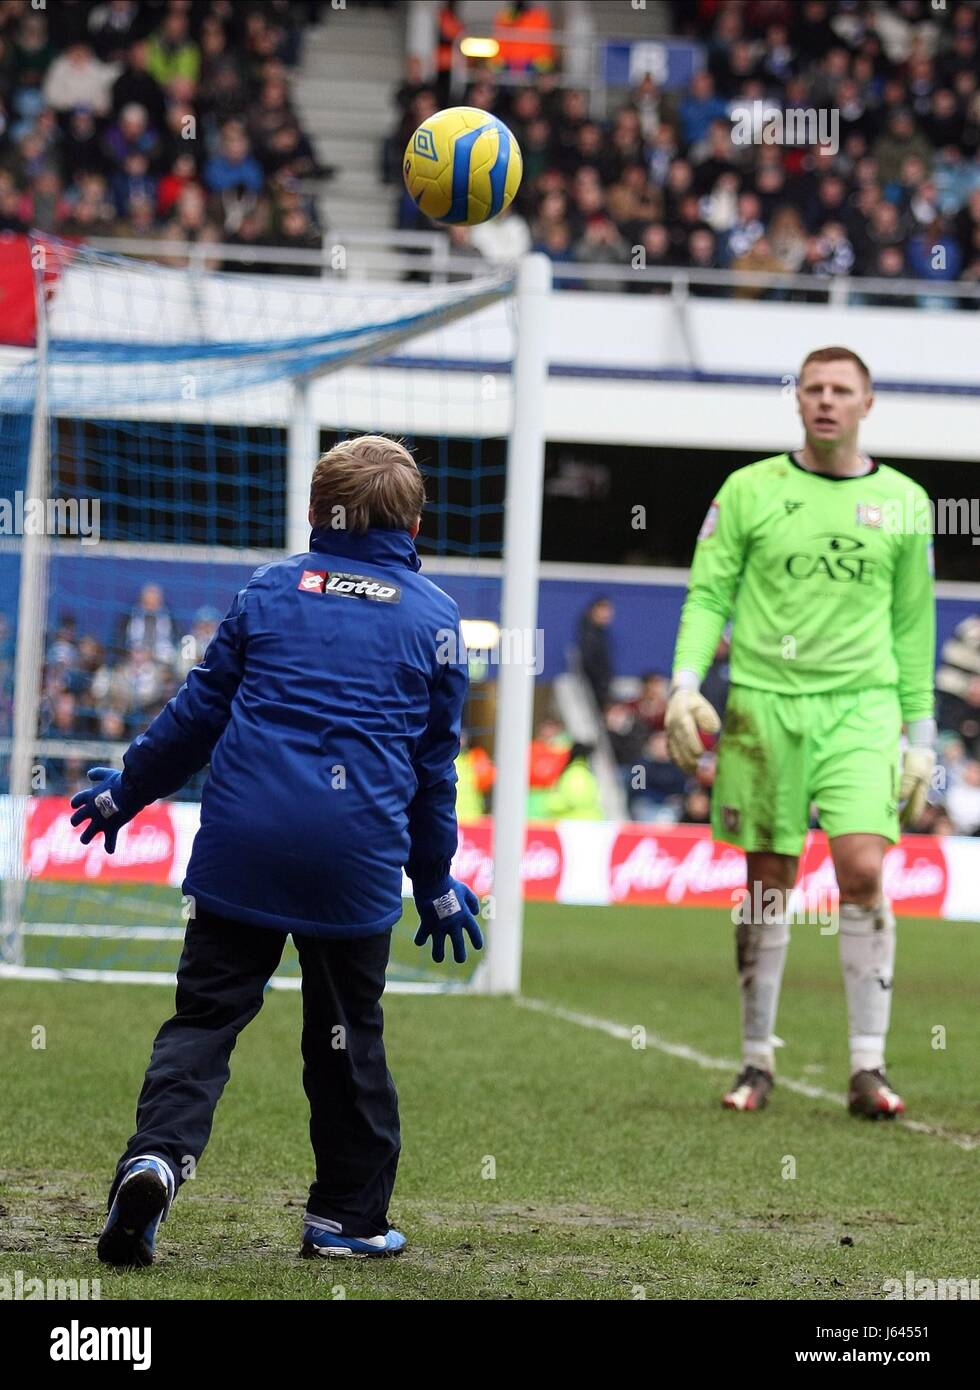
{"type": "Point", "coordinates": [344, 96]}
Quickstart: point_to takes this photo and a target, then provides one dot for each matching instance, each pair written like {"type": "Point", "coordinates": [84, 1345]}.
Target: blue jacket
{"type": "Point", "coordinates": [221, 174]}
{"type": "Point", "coordinates": [328, 704]}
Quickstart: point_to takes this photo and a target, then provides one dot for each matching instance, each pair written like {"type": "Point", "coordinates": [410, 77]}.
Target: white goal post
{"type": "Point", "coordinates": [501, 972]}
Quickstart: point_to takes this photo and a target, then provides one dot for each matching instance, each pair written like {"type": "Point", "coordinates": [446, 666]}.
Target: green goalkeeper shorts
{"type": "Point", "coordinates": [779, 753]}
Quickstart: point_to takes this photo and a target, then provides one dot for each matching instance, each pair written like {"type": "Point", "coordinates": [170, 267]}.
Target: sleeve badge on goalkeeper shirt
{"type": "Point", "coordinates": [710, 522]}
{"type": "Point", "coordinates": [312, 581]}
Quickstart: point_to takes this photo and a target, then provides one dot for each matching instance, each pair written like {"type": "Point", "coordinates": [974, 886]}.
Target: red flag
{"type": "Point", "coordinates": [18, 322]}
{"type": "Point", "coordinates": [18, 308]}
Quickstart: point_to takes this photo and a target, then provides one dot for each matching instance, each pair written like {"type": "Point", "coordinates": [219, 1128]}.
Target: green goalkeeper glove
{"type": "Point", "coordinates": [689, 716]}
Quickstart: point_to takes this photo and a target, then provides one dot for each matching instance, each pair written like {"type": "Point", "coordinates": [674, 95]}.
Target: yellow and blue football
{"type": "Point", "coordinates": [462, 165]}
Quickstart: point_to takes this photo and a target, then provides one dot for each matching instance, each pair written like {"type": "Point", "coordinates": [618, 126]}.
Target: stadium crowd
{"type": "Point", "coordinates": [160, 119]}
{"type": "Point", "coordinates": [666, 182]}
{"type": "Point", "coordinates": [108, 691]}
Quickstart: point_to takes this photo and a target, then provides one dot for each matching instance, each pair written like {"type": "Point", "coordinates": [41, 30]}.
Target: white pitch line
{"type": "Point", "coordinates": [162, 977]}
{"type": "Point", "coordinates": [622, 1033]}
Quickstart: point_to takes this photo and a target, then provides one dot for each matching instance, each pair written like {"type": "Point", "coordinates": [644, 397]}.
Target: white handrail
{"type": "Point", "coordinates": [440, 262]}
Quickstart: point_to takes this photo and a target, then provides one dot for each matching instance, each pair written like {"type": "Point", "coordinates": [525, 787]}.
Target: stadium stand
{"type": "Point", "coordinates": [899, 197]}
{"type": "Point", "coordinates": [148, 119]}
{"type": "Point", "coordinates": [179, 120]}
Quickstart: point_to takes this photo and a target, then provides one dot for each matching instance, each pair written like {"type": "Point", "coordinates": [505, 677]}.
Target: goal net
{"type": "Point", "coordinates": [156, 444]}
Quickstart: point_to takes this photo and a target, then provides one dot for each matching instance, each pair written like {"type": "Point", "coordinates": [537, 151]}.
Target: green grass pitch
{"type": "Point", "coordinates": [542, 1158]}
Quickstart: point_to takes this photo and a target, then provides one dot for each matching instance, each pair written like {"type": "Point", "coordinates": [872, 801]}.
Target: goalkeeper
{"type": "Point", "coordinates": [328, 705]}
{"type": "Point", "coordinates": [833, 646]}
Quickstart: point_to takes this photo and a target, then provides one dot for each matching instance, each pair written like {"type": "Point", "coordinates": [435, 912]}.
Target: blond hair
{"type": "Point", "coordinates": [367, 481]}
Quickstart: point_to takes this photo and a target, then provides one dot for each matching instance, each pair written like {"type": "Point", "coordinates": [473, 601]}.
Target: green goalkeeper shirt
{"type": "Point", "coordinates": [828, 582]}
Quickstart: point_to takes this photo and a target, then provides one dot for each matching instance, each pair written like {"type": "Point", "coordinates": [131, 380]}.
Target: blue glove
{"type": "Point", "coordinates": [105, 806]}
{"type": "Point", "coordinates": [450, 911]}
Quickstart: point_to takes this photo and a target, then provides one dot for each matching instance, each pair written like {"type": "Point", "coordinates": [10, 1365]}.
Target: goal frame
{"type": "Point", "coordinates": [498, 970]}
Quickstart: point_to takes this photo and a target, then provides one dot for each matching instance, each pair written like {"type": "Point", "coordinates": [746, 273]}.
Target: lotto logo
{"type": "Point", "coordinates": [312, 581]}
{"type": "Point", "coordinates": [361, 586]}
